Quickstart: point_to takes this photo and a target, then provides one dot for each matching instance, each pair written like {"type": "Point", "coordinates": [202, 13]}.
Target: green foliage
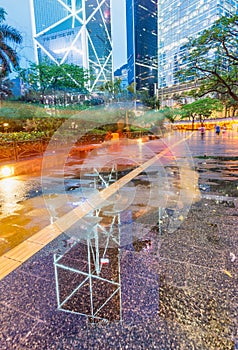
{"type": "Point", "coordinates": [149, 101]}
{"type": "Point", "coordinates": [49, 77]}
{"type": "Point", "coordinates": [15, 110]}
{"type": "Point", "coordinates": [157, 117]}
{"type": "Point", "coordinates": [212, 58]}
{"type": "Point", "coordinates": [202, 108]}
{"type": "Point", "coordinates": [170, 113]}
{"type": "Point", "coordinates": [5, 88]}
{"type": "Point", "coordinates": [47, 125]}
{"type": "Point", "coordinates": [132, 88]}
{"type": "Point", "coordinates": [8, 55]}
{"type": "Point", "coordinates": [113, 88]}
{"type": "Point", "coordinates": [28, 117]}
{"type": "Point", "coordinates": [135, 128]}
{"type": "Point", "coordinates": [150, 117]}
{"type": "Point", "coordinates": [22, 136]}
{"type": "Point", "coordinates": [231, 106]}
{"type": "Point", "coordinates": [37, 124]}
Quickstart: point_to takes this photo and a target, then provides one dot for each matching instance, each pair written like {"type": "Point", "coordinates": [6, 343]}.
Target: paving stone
{"type": "Point", "coordinates": [180, 295]}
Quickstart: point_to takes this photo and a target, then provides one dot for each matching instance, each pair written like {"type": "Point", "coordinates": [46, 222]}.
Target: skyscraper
{"type": "Point", "coordinates": [142, 43]}
{"type": "Point", "coordinates": [75, 31]}
{"type": "Point", "coordinates": [178, 20]}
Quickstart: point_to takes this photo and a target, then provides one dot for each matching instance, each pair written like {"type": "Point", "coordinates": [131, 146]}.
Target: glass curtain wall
{"type": "Point", "coordinates": [179, 20]}
{"type": "Point", "coordinates": [75, 31]}
{"type": "Point", "coordinates": [142, 43]}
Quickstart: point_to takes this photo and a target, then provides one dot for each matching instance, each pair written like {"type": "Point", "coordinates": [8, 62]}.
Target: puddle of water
{"type": "Point", "coordinates": [223, 187]}
{"type": "Point", "coordinates": [25, 211]}
{"type": "Point", "coordinates": [191, 286]}
{"type": "Point", "coordinates": [22, 201]}
{"type": "Point", "coordinates": [218, 175]}
{"type": "Point", "coordinates": [13, 191]}
{"type": "Point", "coordinates": [219, 158]}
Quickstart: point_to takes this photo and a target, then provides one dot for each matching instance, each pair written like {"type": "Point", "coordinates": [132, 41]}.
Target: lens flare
{"type": "Point", "coordinates": [6, 171]}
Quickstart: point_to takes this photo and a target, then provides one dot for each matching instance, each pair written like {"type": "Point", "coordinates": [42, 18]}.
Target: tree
{"type": "Point", "coordinates": [231, 106]}
{"type": "Point", "coordinates": [8, 56]}
{"type": "Point", "coordinates": [5, 88]}
{"type": "Point", "coordinates": [212, 59]}
{"type": "Point", "coordinates": [151, 102]}
{"type": "Point", "coordinates": [132, 89]}
{"type": "Point", "coordinates": [201, 108]}
{"type": "Point", "coordinates": [170, 113]}
{"type": "Point", "coordinates": [112, 87]}
{"type": "Point", "coordinates": [47, 78]}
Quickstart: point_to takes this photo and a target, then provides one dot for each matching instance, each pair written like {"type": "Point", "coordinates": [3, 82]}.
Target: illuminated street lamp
{"type": "Point", "coordinates": [6, 171]}
{"type": "Point", "coordinates": [5, 126]}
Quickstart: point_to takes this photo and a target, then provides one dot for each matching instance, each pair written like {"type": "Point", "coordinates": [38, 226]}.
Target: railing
{"type": "Point", "coordinates": [135, 134]}
{"type": "Point", "coordinates": [7, 151]}
{"type": "Point", "coordinates": [16, 150]}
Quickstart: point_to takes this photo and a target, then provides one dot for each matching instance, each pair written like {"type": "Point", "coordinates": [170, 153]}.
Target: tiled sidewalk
{"type": "Point", "coordinates": [182, 295]}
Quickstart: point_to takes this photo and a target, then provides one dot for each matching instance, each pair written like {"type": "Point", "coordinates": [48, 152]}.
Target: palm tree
{"type": "Point", "coordinates": [5, 88]}
{"type": "Point", "coordinates": [8, 56]}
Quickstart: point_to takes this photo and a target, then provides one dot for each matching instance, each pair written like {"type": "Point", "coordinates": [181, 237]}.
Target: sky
{"type": "Point", "coordinates": [18, 16]}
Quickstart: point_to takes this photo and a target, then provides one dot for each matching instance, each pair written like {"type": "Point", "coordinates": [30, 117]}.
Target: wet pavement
{"type": "Point", "coordinates": [171, 285]}
{"type": "Point", "coordinates": [216, 160]}
{"type": "Point", "coordinates": [30, 203]}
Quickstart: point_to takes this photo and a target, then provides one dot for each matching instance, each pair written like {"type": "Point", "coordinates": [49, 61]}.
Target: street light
{"type": "Point", "coordinates": [6, 171]}
{"type": "Point", "coordinates": [5, 126]}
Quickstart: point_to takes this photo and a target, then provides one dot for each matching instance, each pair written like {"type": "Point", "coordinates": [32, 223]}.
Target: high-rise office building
{"type": "Point", "coordinates": [142, 43]}
{"type": "Point", "coordinates": [75, 31]}
{"type": "Point", "coordinates": [178, 20]}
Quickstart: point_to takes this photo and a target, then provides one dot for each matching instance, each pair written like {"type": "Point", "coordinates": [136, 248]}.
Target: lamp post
{"type": "Point", "coordinates": [5, 126]}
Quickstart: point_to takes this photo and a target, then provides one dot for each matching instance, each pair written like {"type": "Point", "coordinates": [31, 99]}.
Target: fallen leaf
{"type": "Point", "coordinates": [227, 273]}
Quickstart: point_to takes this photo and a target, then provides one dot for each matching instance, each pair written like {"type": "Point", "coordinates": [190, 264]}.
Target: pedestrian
{"type": "Point", "coordinates": [223, 129]}
{"type": "Point", "coordinates": [202, 130]}
{"type": "Point", "coordinates": [217, 129]}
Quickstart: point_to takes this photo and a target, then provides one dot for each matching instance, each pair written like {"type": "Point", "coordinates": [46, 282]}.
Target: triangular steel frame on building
{"type": "Point", "coordinates": [76, 31]}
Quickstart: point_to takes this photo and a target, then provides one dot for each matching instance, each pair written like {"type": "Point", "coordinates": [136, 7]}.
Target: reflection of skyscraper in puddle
{"type": "Point", "coordinates": [111, 270]}
{"type": "Point", "coordinates": [103, 262]}
{"type": "Point", "coordinates": [88, 274]}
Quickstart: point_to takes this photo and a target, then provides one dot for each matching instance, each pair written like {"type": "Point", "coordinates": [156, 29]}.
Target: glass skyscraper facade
{"type": "Point", "coordinates": [75, 31]}
{"type": "Point", "coordinates": [142, 43]}
{"type": "Point", "coordinates": [177, 21]}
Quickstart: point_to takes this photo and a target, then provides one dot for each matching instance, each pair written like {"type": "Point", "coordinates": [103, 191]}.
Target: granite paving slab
{"type": "Point", "coordinates": [182, 294]}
